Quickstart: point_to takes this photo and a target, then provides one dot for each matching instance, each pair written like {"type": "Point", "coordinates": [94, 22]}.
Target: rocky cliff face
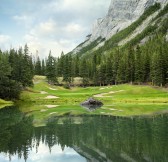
{"type": "Point", "coordinates": [120, 15]}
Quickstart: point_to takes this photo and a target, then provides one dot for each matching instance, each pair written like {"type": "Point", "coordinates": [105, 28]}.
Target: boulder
{"type": "Point", "coordinates": [92, 104]}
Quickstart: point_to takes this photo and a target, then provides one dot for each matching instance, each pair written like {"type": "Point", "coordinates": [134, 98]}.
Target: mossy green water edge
{"type": "Point", "coordinates": [4, 103]}
{"type": "Point", "coordinates": [44, 101]}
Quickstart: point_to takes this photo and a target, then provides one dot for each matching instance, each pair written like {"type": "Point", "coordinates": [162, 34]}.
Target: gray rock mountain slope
{"type": "Point", "coordinates": [120, 15]}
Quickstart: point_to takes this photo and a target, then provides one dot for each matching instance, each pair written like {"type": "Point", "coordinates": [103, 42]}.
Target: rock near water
{"type": "Point", "coordinates": [91, 104]}
{"type": "Point", "coordinates": [120, 15]}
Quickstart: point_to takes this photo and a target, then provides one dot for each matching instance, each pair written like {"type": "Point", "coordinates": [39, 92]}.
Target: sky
{"type": "Point", "coordinates": [56, 25]}
{"type": "Point", "coordinates": [44, 155]}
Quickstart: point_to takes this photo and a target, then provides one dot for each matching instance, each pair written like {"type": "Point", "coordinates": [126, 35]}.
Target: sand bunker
{"type": "Point", "coordinates": [51, 97]}
{"type": "Point", "coordinates": [51, 106]}
{"type": "Point", "coordinates": [52, 89]}
{"type": "Point", "coordinates": [111, 92]}
{"type": "Point", "coordinates": [43, 92]}
{"type": "Point", "coordinates": [43, 110]}
{"type": "Point", "coordinates": [101, 95]}
{"type": "Point", "coordinates": [113, 109]}
{"type": "Point", "coordinates": [53, 113]}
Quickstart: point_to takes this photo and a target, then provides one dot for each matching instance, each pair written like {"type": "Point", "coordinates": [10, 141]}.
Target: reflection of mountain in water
{"type": "Point", "coordinates": [117, 139]}
{"type": "Point", "coordinates": [98, 139]}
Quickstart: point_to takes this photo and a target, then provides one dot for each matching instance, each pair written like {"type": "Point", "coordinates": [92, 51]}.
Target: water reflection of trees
{"type": "Point", "coordinates": [96, 138]}
{"type": "Point", "coordinates": [16, 132]}
{"type": "Point", "coordinates": [120, 139]}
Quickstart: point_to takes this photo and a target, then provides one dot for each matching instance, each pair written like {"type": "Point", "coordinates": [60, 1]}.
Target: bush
{"type": "Point", "coordinates": [67, 86]}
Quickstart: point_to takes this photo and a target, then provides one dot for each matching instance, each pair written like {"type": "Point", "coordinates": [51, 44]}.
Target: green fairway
{"type": "Point", "coordinates": [44, 100]}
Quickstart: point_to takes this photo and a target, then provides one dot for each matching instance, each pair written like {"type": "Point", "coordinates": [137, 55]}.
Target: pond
{"type": "Point", "coordinates": [83, 139]}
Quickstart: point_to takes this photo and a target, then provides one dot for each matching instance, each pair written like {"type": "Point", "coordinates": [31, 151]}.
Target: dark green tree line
{"type": "Point", "coordinates": [16, 72]}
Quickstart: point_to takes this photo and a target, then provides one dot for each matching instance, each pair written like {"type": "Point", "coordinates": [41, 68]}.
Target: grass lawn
{"type": "Point", "coordinates": [45, 101]}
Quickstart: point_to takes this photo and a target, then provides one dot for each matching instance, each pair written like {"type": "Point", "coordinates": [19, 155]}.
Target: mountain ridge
{"type": "Point", "coordinates": [120, 15]}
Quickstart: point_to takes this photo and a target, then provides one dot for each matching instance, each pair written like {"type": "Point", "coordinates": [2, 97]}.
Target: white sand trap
{"type": "Point", "coordinates": [51, 106]}
{"type": "Point", "coordinates": [43, 92]}
{"type": "Point", "coordinates": [53, 113]}
{"type": "Point", "coordinates": [53, 89]}
{"type": "Point", "coordinates": [111, 92]}
{"type": "Point", "coordinates": [43, 110]}
{"type": "Point", "coordinates": [101, 88]}
{"type": "Point", "coordinates": [120, 110]}
{"type": "Point", "coordinates": [51, 97]}
{"type": "Point", "coordinates": [101, 95]}
{"type": "Point", "coordinates": [113, 109]}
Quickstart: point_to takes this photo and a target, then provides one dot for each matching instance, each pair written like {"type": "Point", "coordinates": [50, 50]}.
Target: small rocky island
{"type": "Point", "coordinates": [91, 104]}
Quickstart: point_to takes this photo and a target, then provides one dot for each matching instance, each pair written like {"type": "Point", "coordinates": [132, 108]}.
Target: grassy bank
{"type": "Point", "coordinates": [4, 103]}
{"type": "Point", "coordinates": [44, 100]}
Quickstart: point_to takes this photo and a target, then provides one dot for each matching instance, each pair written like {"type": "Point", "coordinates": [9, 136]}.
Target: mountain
{"type": "Point", "coordinates": [129, 45]}
{"type": "Point", "coordinates": [121, 14]}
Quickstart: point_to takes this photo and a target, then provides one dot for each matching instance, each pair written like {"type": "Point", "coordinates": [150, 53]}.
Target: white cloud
{"type": "Point", "coordinates": [21, 18]}
{"type": "Point", "coordinates": [57, 25]}
{"type": "Point", "coordinates": [75, 4]}
{"type": "Point", "coordinates": [74, 28]}
{"type": "Point", "coordinates": [79, 6]}
{"type": "Point", "coordinates": [43, 154]}
{"type": "Point", "coordinates": [44, 30]}
{"type": "Point", "coordinates": [43, 46]}
{"type": "Point", "coordinates": [47, 27]}
{"type": "Point", "coordinates": [4, 38]}
{"type": "Point", "coordinates": [47, 36]}
{"type": "Point", "coordinates": [5, 42]}
{"type": "Point", "coordinates": [25, 20]}
{"type": "Point", "coordinates": [50, 30]}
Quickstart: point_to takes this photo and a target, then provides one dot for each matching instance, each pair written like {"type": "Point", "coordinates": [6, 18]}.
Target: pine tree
{"type": "Point", "coordinates": [121, 72]}
{"type": "Point", "coordinates": [84, 72]}
{"type": "Point", "coordinates": [22, 66]}
{"type": "Point", "coordinates": [51, 69]}
{"type": "Point", "coordinates": [130, 65]}
{"type": "Point", "coordinates": [116, 59]}
{"type": "Point", "coordinates": [43, 67]}
{"type": "Point", "coordinates": [38, 67]}
{"type": "Point", "coordinates": [109, 72]}
{"type": "Point", "coordinates": [67, 69]}
{"type": "Point", "coordinates": [27, 68]}
{"type": "Point", "coordinates": [139, 66]}
{"type": "Point", "coordinates": [60, 65]}
{"type": "Point", "coordinates": [101, 74]}
{"type": "Point", "coordinates": [9, 89]}
{"type": "Point", "coordinates": [76, 66]}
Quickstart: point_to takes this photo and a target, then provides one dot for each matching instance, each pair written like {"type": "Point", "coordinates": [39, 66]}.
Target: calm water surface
{"type": "Point", "coordinates": [83, 139]}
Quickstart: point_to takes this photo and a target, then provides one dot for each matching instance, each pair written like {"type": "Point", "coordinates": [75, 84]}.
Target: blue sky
{"type": "Point", "coordinates": [56, 25]}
